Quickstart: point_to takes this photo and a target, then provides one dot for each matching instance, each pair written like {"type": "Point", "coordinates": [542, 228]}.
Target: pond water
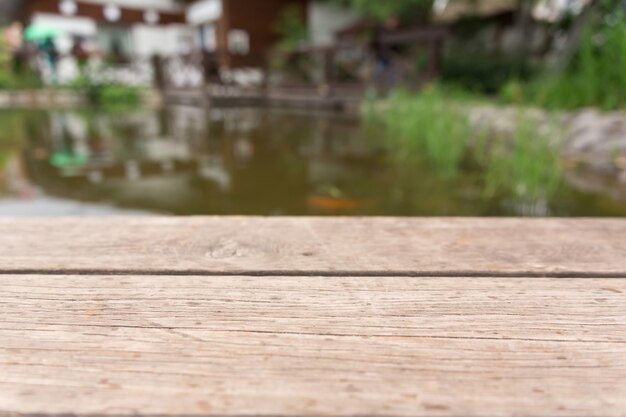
{"type": "Point", "coordinates": [188, 161]}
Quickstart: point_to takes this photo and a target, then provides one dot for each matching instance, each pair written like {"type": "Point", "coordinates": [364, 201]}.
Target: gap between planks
{"type": "Point", "coordinates": [321, 273]}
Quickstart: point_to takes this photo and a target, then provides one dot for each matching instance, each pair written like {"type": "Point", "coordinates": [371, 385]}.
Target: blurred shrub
{"type": "Point", "coordinates": [427, 124]}
{"type": "Point", "coordinates": [6, 74]}
{"type": "Point", "coordinates": [108, 94]}
{"type": "Point", "coordinates": [483, 74]}
{"type": "Point", "coordinates": [291, 28]}
{"type": "Point", "coordinates": [6, 80]}
{"type": "Point", "coordinates": [512, 91]}
{"type": "Point", "coordinates": [527, 165]}
{"type": "Point", "coordinates": [118, 94]}
{"type": "Point", "coordinates": [24, 81]}
{"type": "Point", "coordinates": [433, 126]}
{"type": "Point", "coordinates": [9, 79]}
{"type": "Point", "coordinates": [12, 136]}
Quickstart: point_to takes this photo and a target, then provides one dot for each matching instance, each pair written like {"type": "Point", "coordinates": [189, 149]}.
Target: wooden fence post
{"type": "Point", "coordinates": [434, 59]}
{"type": "Point", "coordinates": [329, 72]}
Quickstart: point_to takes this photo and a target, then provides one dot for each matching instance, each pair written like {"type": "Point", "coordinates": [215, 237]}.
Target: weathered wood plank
{"type": "Point", "coordinates": [311, 345]}
{"type": "Point", "coordinates": [243, 245]}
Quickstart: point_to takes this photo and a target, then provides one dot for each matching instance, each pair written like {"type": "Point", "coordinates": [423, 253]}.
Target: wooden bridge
{"type": "Point", "coordinates": [243, 316]}
{"type": "Point", "coordinates": [335, 76]}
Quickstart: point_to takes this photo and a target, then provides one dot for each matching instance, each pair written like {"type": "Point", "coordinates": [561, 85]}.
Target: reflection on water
{"type": "Point", "coordinates": [186, 161]}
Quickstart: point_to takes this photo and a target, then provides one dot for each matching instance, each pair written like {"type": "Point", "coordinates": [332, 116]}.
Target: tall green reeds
{"type": "Point", "coordinates": [526, 165]}
{"type": "Point", "coordinates": [429, 126]}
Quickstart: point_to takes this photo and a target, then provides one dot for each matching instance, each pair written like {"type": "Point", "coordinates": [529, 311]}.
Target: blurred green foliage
{"type": "Point", "coordinates": [5, 62]}
{"type": "Point", "coordinates": [527, 165]}
{"type": "Point", "coordinates": [486, 74]}
{"type": "Point", "coordinates": [108, 94]}
{"type": "Point", "coordinates": [12, 131]}
{"type": "Point", "coordinates": [9, 79]}
{"type": "Point", "coordinates": [433, 126]}
{"type": "Point", "coordinates": [292, 29]}
{"type": "Point", "coordinates": [381, 9]}
{"type": "Point", "coordinates": [428, 124]}
{"type": "Point", "coordinates": [595, 77]}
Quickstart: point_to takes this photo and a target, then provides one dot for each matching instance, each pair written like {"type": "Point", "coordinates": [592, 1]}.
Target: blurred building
{"type": "Point", "coordinates": [240, 32]}
{"type": "Point", "coordinates": [129, 28]}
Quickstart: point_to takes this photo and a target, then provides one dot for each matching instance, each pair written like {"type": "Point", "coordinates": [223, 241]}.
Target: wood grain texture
{"type": "Point", "coordinates": [327, 246]}
{"type": "Point", "coordinates": [290, 346]}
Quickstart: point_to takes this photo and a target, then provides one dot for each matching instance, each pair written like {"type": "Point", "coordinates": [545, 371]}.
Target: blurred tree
{"type": "Point", "coordinates": [381, 9]}
{"type": "Point", "coordinates": [292, 29]}
{"type": "Point", "coordinates": [597, 17]}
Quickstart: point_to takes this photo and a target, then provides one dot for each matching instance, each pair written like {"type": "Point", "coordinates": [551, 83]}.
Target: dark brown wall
{"type": "Point", "coordinates": [95, 11]}
{"type": "Point", "coordinates": [10, 10]}
{"type": "Point", "coordinates": [258, 18]}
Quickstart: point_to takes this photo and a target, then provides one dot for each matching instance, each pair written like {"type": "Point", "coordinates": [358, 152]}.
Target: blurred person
{"type": "Point", "coordinates": [117, 51]}
{"type": "Point", "coordinates": [48, 50]}
{"type": "Point", "coordinates": [80, 53]}
{"type": "Point", "coordinates": [385, 53]}
{"type": "Point", "coordinates": [14, 41]}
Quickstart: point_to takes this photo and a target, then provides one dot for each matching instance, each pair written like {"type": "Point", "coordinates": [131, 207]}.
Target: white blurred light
{"type": "Point", "coordinates": [112, 13]}
{"type": "Point", "coordinates": [204, 11]}
{"type": "Point", "coordinates": [151, 16]}
{"type": "Point", "coordinates": [68, 7]}
{"type": "Point", "coordinates": [440, 5]}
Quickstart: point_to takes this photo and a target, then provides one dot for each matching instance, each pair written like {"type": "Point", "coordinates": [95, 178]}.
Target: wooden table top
{"type": "Point", "coordinates": [250, 316]}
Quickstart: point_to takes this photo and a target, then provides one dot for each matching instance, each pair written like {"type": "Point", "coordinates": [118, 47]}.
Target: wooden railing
{"type": "Point", "coordinates": [182, 72]}
{"type": "Point", "coordinates": [336, 70]}
{"type": "Point", "coordinates": [324, 68]}
{"type": "Point", "coordinates": [354, 64]}
{"type": "Point", "coordinates": [430, 40]}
